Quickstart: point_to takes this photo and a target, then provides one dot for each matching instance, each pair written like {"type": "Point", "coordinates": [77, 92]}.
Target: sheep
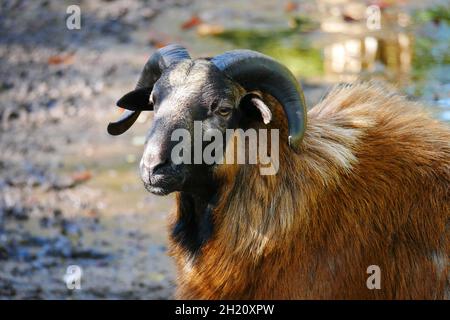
{"type": "Point", "coordinates": [363, 182]}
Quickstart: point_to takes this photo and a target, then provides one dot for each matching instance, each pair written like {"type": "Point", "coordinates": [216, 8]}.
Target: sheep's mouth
{"type": "Point", "coordinates": [157, 190]}
{"type": "Point", "coordinates": [162, 185]}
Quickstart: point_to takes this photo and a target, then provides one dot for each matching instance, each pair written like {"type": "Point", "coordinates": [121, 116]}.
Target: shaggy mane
{"type": "Point", "coordinates": [370, 185]}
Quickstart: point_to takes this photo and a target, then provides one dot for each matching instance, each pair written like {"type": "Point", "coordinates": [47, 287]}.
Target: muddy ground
{"type": "Point", "coordinates": [69, 193]}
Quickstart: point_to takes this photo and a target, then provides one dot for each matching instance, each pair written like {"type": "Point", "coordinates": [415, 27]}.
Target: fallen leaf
{"type": "Point", "coordinates": [160, 45]}
{"type": "Point", "coordinates": [92, 213]}
{"type": "Point", "coordinates": [61, 59]}
{"type": "Point", "coordinates": [192, 22]}
{"type": "Point", "coordinates": [82, 176]}
{"type": "Point", "coordinates": [290, 6]}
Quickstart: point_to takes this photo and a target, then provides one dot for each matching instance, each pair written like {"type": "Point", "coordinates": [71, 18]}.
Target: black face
{"type": "Point", "coordinates": [187, 94]}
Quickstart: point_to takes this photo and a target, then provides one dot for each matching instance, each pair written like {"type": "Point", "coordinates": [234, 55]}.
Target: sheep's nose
{"type": "Point", "coordinates": [158, 167]}
{"type": "Point", "coordinates": [155, 165]}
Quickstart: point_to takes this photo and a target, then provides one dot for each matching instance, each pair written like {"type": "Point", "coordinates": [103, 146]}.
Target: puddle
{"type": "Point", "coordinates": [286, 45]}
{"type": "Point", "coordinates": [405, 43]}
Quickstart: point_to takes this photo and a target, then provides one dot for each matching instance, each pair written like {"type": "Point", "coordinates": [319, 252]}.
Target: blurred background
{"type": "Point", "coordinates": [71, 195]}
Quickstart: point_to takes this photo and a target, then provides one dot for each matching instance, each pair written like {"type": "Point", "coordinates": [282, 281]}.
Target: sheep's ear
{"type": "Point", "coordinates": [253, 103]}
{"type": "Point", "coordinates": [136, 100]}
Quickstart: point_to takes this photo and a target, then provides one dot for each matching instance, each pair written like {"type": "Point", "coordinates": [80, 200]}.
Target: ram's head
{"type": "Point", "coordinates": [221, 93]}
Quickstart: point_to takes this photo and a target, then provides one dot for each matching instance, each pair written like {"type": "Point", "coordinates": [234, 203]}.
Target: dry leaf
{"type": "Point", "coordinates": [82, 176]}
{"type": "Point", "coordinates": [290, 6]}
{"type": "Point", "coordinates": [192, 22]}
{"type": "Point", "coordinates": [61, 59]}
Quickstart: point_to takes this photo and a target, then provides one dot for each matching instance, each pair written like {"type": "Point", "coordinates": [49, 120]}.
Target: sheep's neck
{"type": "Point", "coordinates": [194, 225]}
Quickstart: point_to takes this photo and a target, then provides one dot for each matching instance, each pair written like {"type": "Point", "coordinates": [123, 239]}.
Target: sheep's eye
{"type": "Point", "coordinates": [224, 111]}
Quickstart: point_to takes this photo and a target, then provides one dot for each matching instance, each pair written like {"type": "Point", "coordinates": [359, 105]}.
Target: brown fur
{"type": "Point", "coordinates": [370, 186]}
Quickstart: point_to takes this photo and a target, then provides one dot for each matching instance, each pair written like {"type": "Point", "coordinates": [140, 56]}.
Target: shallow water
{"type": "Point", "coordinates": [326, 42]}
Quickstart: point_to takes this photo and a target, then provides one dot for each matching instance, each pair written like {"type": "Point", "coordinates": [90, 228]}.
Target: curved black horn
{"type": "Point", "coordinates": [256, 71]}
{"type": "Point", "coordinates": [124, 123]}
{"type": "Point", "coordinates": [138, 99]}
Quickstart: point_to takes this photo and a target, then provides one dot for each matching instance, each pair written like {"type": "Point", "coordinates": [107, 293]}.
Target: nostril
{"type": "Point", "coordinates": [159, 166]}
